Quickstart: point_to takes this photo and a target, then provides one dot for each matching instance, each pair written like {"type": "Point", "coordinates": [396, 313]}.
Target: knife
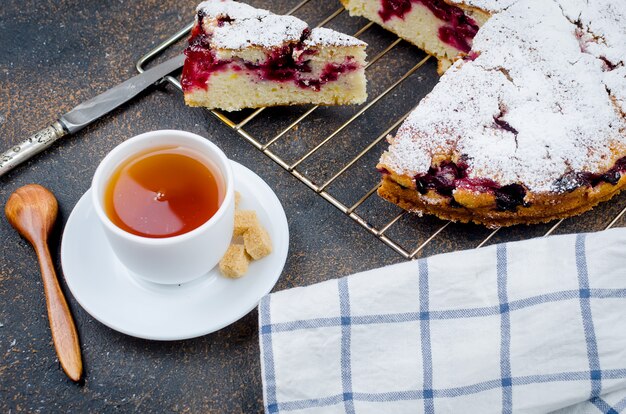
{"type": "Point", "coordinates": [86, 113]}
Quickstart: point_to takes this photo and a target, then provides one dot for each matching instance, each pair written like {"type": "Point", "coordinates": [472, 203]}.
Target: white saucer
{"type": "Point", "coordinates": [108, 291]}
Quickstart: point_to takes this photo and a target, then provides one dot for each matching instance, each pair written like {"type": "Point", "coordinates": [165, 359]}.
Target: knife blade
{"type": "Point", "coordinates": [85, 113]}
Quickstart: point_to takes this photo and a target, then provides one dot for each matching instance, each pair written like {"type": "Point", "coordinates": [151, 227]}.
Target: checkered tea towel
{"type": "Point", "coordinates": [526, 327]}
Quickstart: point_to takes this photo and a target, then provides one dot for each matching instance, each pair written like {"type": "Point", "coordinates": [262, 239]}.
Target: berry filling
{"type": "Point", "coordinates": [501, 123]}
{"type": "Point", "coordinates": [458, 30]}
{"type": "Point", "coordinates": [289, 63]}
{"type": "Point", "coordinates": [471, 56]}
{"type": "Point", "coordinates": [572, 180]}
{"type": "Point", "coordinates": [509, 197]}
{"type": "Point", "coordinates": [443, 178]}
{"type": "Point", "coordinates": [448, 176]}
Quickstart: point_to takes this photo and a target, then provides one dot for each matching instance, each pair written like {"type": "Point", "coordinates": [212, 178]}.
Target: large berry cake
{"type": "Point", "coordinates": [527, 126]}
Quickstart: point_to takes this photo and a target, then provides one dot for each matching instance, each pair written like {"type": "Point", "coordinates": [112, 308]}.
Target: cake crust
{"type": "Point", "coordinates": [543, 209]}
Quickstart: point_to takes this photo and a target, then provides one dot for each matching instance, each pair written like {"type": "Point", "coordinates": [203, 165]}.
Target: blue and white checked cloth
{"type": "Point", "coordinates": [526, 327]}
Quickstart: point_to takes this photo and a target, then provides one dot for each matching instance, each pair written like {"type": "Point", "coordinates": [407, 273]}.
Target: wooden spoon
{"type": "Point", "coordinates": [32, 210]}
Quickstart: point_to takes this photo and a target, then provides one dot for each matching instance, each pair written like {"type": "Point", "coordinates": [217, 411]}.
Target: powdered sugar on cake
{"type": "Point", "coordinates": [322, 36]}
{"type": "Point", "coordinates": [603, 24]}
{"type": "Point", "coordinates": [242, 26]}
{"type": "Point", "coordinates": [533, 105]}
{"type": "Point", "coordinates": [490, 6]}
{"type": "Point", "coordinates": [615, 82]}
{"type": "Point", "coordinates": [602, 33]}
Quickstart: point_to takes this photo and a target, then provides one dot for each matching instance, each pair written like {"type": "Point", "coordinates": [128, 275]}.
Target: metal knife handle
{"type": "Point", "coordinates": [33, 145]}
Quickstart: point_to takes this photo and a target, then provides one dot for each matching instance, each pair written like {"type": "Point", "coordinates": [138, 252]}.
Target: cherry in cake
{"type": "Point", "coordinates": [443, 28]}
{"type": "Point", "coordinates": [530, 126]}
{"type": "Point", "coordinates": [242, 57]}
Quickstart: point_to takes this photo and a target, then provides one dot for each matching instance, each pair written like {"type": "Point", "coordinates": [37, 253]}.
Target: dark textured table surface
{"type": "Point", "coordinates": [55, 54]}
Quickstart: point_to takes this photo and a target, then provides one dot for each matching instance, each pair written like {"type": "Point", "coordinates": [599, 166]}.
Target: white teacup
{"type": "Point", "coordinates": [177, 259]}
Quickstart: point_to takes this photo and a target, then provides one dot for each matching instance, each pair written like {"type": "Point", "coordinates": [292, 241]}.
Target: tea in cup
{"type": "Point", "coordinates": [165, 200]}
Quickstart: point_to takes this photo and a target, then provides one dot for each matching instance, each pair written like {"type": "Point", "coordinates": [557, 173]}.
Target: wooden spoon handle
{"type": "Point", "coordinates": [64, 334]}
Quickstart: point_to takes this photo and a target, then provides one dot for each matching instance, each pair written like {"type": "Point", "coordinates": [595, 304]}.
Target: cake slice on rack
{"type": "Point", "coordinates": [242, 57]}
{"type": "Point", "coordinates": [442, 28]}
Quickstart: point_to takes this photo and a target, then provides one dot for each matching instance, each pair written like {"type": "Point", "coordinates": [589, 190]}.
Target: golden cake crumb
{"type": "Point", "coordinates": [237, 200]}
{"type": "Point", "coordinates": [257, 242]}
{"type": "Point", "coordinates": [235, 262]}
{"type": "Point", "coordinates": [244, 219]}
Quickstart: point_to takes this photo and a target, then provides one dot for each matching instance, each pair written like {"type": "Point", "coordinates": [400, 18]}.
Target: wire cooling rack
{"type": "Point", "coordinates": [311, 145]}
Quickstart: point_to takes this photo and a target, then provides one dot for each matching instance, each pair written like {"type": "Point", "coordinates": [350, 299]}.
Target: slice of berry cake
{"type": "Point", "coordinates": [530, 126]}
{"type": "Point", "coordinates": [442, 28]}
{"type": "Point", "coordinates": [242, 57]}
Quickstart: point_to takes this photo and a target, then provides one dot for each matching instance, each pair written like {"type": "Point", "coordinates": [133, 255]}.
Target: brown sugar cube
{"type": "Point", "coordinates": [257, 242]}
{"type": "Point", "coordinates": [237, 200]}
{"type": "Point", "coordinates": [244, 219]}
{"type": "Point", "coordinates": [234, 264]}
